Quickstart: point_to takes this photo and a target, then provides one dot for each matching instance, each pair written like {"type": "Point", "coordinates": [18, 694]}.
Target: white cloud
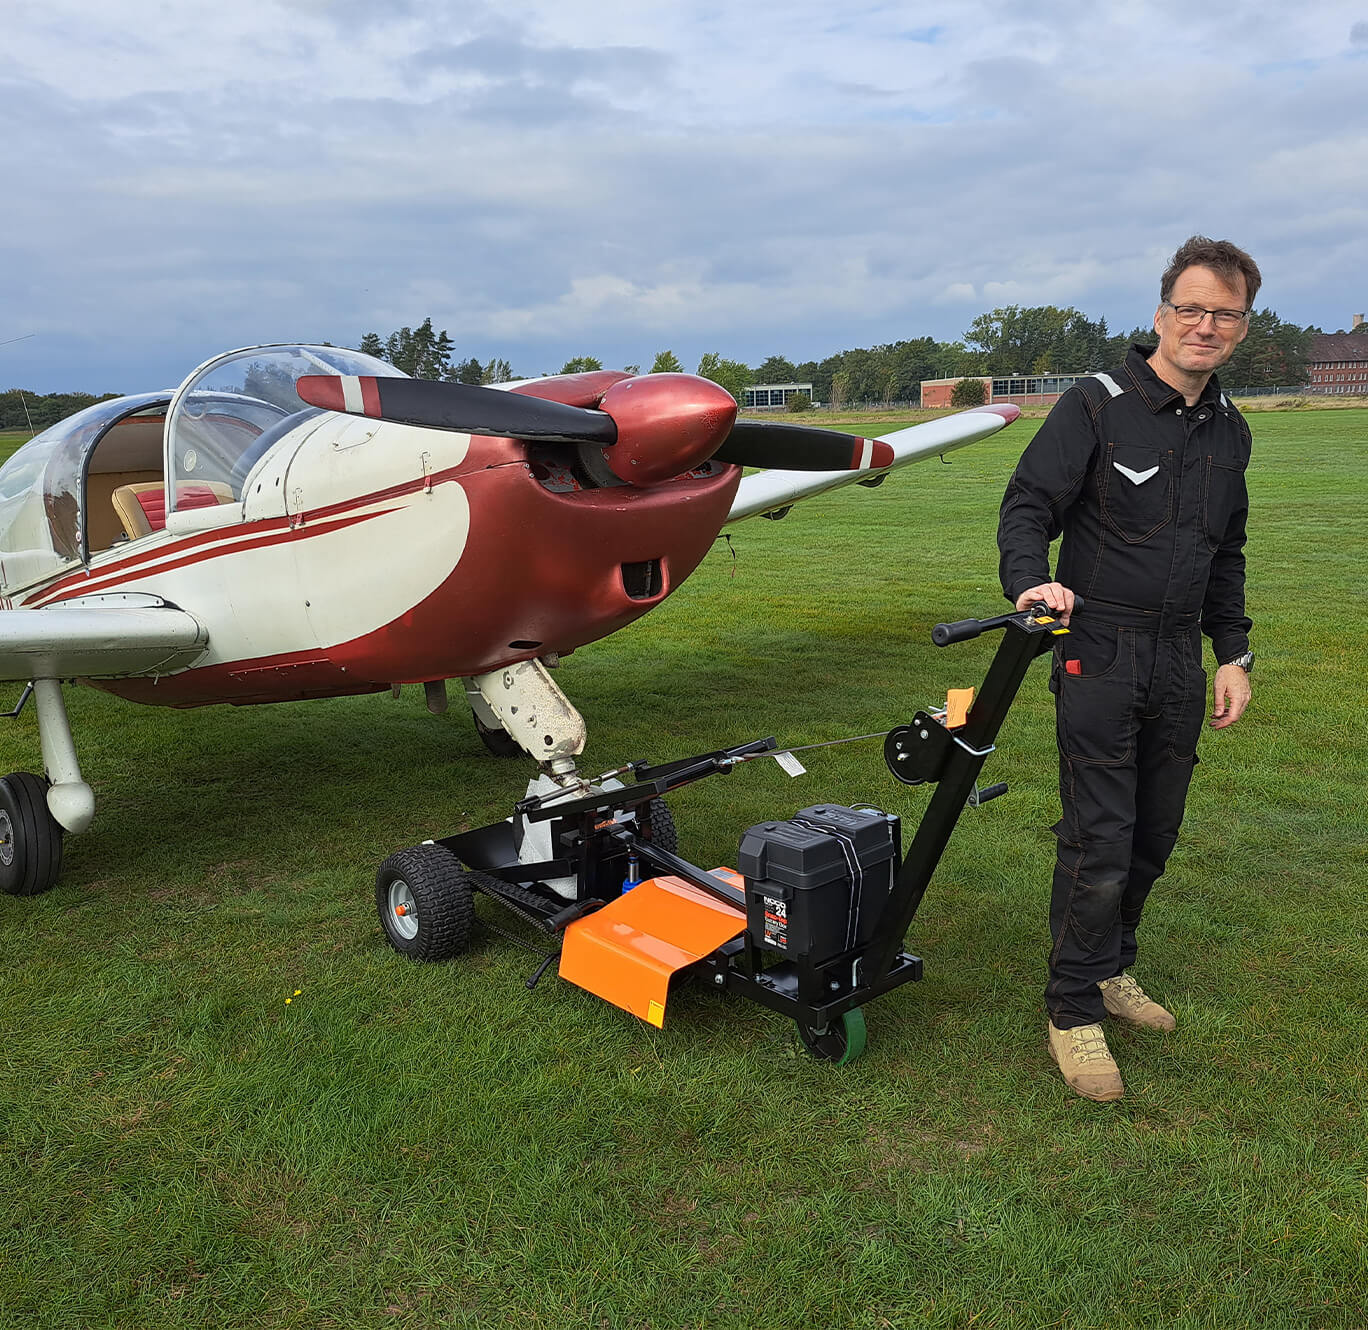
{"type": "Point", "coordinates": [601, 177]}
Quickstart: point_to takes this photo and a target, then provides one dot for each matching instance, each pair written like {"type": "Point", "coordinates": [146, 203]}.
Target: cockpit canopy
{"type": "Point", "coordinates": [226, 415]}
{"type": "Point", "coordinates": [55, 491]}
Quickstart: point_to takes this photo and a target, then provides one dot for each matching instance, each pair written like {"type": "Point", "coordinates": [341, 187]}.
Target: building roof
{"type": "Point", "coordinates": [1338, 346]}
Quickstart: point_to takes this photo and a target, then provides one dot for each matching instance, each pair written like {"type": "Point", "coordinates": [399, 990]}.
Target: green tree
{"type": "Point", "coordinates": [372, 345]}
{"type": "Point", "coordinates": [729, 374]}
{"type": "Point", "coordinates": [580, 364]}
{"type": "Point", "coordinates": [1272, 355]}
{"type": "Point", "coordinates": [666, 362]}
{"type": "Point", "coordinates": [420, 351]}
{"type": "Point", "coordinates": [798, 403]}
{"type": "Point", "coordinates": [497, 371]}
{"type": "Point", "coordinates": [776, 369]}
{"type": "Point", "coordinates": [969, 392]}
{"type": "Point", "coordinates": [23, 410]}
{"type": "Point", "coordinates": [954, 360]}
{"type": "Point", "coordinates": [1014, 339]}
{"type": "Point", "coordinates": [467, 371]}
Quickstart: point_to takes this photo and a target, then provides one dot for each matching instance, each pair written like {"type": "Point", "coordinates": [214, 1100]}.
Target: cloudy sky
{"type": "Point", "coordinates": [549, 178]}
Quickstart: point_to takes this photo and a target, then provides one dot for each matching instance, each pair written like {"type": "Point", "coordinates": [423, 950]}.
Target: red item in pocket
{"type": "Point", "coordinates": [1073, 667]}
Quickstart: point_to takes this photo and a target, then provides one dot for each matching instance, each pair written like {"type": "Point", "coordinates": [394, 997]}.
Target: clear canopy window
{"type": "Point", "coordinates": [228, 413]}
{"type": "Point", "coordinates": [42, 490]}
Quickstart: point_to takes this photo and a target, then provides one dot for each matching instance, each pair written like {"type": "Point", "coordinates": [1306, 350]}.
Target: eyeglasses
{"type": "Point", "coordinates": [1191, 315]}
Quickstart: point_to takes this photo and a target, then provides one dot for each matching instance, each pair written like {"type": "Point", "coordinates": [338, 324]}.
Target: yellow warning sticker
{"type": "Point", "coordinates": [655, 1013]}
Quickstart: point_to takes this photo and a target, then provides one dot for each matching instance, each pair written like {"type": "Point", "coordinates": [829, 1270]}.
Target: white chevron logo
{"type": "Point", "coordinates": [1136, 477]}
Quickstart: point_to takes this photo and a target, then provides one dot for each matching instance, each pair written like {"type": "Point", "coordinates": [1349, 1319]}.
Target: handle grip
{"type": "Point", "coordinates": [962, 631]}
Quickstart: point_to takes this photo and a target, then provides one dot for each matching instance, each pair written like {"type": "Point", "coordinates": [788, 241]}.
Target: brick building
{"type": "Point", "coordinates": [1338, 362]}
{"type": "Point", "coordinates": [1019, 389]}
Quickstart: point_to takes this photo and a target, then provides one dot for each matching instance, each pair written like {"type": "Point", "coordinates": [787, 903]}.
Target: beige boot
{"type": "Point", "coordinates": [1124, 998]}
{"type": "Point", "coordinates": [1086, 1063]}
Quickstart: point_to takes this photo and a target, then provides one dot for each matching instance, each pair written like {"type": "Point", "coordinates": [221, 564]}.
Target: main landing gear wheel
{"type": "Point", "coordinates": [30, 837]}
{"type": "Point", "coordinates": [426, 903]}
{"type": "Point", "coordinates": [841, 1041]}
{"type": "Point", "coordinates": [496, 739]}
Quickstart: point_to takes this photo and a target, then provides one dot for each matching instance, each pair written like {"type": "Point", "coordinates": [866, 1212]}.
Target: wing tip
{"type": "Point", "coordinates": [1009, 411]}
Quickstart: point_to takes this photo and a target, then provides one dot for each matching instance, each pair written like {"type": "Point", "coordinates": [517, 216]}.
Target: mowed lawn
{"type": "Point", "coordinates": [406, 1145]}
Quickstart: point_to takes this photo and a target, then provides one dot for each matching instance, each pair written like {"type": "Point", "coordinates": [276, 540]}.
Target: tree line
{"type": "Point", "coordinates": [1010, 341]}
{"type": "Point", "coordinates": [1014, 340]}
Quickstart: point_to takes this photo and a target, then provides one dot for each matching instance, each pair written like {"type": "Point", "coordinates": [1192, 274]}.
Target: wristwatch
{"type": "Point", "coordinates": [1245, 662]}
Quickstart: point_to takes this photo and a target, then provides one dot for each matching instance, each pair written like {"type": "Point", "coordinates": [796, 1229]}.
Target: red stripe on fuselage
{"type": "Point", "coordinates": [115, 579]}
{"type": "Point", "coordinates": [227, 540]}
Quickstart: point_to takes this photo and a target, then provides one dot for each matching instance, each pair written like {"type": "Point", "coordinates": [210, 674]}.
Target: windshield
{"type": "Point", "coordinates": [42, 490]}
{"type": "Point", "coordinates": [229, 410]}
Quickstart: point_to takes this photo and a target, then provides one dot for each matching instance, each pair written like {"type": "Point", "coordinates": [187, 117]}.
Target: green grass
{"type": "Point", "coordinates": [407, 1145]}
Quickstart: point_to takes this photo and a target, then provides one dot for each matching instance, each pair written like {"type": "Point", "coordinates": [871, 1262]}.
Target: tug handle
{"type": "Point", "coordinates": [961, 631]}
{"type": "Point", "coordinates": [964, 630]}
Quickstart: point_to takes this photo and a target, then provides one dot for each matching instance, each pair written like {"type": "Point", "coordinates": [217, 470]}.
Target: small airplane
{"type": "Point", "coordinates": [304, 521]}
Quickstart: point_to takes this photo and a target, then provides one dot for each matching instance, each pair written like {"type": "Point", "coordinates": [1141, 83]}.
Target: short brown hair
{"type": "Point", "coordinates": [1227, 261]}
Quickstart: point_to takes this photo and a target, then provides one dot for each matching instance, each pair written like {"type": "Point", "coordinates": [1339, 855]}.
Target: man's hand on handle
{"type": "Point", "coordinates": [1059, 598]}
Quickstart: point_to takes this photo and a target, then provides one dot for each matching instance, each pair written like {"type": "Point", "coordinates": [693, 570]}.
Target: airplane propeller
{"type": "Point", "coordinates": [652, 427]}
{"type": "Point", "coordinates": [462, 407]}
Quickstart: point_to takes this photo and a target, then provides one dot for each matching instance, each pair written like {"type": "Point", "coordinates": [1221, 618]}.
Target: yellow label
{"type": "Point", "coordinates": [1055, 632]}
{"type": "Point", "coordinates": [655, 1014]}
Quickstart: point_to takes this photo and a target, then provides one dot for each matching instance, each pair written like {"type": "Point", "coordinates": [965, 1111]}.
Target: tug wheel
{"type": "Point", "coordinates": [660, 821]}
{"type": "Point", "coordinates": [426, 903]}
{"type": "Point", "coordinates": [842, 1040]}
{"type": "Point", "coordinates": [30, 837]}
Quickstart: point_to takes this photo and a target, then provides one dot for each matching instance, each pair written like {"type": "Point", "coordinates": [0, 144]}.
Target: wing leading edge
{"type": "Point", "coordinates": [97, 641]}
{"type": "Point", "coordinates": [766, 491]}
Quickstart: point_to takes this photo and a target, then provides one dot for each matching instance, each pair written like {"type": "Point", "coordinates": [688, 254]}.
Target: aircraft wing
{"type": "Point", "coordinates": [103, 637]}
{"type": "Point", "coordinates": [766, 491]}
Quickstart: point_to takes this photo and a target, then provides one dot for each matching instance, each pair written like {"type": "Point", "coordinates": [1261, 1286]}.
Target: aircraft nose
{"type": "Point", "coordinates": [667, 424]}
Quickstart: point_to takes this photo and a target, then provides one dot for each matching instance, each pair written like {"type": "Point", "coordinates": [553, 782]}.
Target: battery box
{"type": "Point", "coordinates": [816, 883]}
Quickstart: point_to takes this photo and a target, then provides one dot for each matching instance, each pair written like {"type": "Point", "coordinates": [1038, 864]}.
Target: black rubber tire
{"type": "Point", "coordinates": [841, 1042]}
{"type": "Point", "coordinates": [442, 899]}
{"type": "Point", "coordinates": [30, 837]}
{"type": "Point", "coordinates": [497, 740]}
{"type": "Point", "coordinates": [660, 824]}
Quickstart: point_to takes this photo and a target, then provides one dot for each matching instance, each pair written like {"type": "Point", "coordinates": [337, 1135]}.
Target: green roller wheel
{"type": "Point", "coordinates": [840, 1041]}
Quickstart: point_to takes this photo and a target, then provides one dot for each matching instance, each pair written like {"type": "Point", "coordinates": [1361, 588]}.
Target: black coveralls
{"type": "Point", "coordinates": [1150, 497]}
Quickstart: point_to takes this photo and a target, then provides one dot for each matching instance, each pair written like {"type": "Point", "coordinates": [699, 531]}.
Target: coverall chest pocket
{"type": "Point", "coordinates": [1136, 490]}
{"type": "Point", "coordinates": [1223, 494]}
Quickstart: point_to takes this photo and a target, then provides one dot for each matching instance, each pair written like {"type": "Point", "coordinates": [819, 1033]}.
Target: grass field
{"type": "Point", "coordinates": [405, 1145]}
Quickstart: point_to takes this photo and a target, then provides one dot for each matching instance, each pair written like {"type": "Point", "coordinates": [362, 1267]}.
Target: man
{"type": "Point", "coordinates": [1142, 470]}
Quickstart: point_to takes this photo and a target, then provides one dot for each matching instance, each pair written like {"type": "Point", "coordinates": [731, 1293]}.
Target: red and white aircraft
{"type": "Point", "coordinates": [302, 521]}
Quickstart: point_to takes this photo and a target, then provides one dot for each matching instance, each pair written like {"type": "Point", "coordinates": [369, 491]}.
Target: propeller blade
{"type": "Point", "coordinates": [462, 407]}
{"type": "Point", "coordinates": [801, 448]}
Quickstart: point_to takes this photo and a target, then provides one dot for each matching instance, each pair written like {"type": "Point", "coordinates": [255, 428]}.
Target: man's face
{"type": "Point", "coordinates": [1205, 347]}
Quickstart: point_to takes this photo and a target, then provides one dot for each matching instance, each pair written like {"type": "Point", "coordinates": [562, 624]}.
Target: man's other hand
{"type": "Point", "coordinates": [1230, 693]}
{"type": "Point", "coordinates": [1059, 598]}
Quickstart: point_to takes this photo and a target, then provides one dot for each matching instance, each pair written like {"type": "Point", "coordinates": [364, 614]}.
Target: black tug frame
{"type": "Point", "coordinates": [600, 834]}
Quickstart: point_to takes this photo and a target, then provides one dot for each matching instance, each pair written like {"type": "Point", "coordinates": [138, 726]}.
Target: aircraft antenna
{"type": "Point", "coordinates": [9, 341]}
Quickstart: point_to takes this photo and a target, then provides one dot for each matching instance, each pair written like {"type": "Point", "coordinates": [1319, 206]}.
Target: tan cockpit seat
{"type": "Point", "coordinates": [142, 508]}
